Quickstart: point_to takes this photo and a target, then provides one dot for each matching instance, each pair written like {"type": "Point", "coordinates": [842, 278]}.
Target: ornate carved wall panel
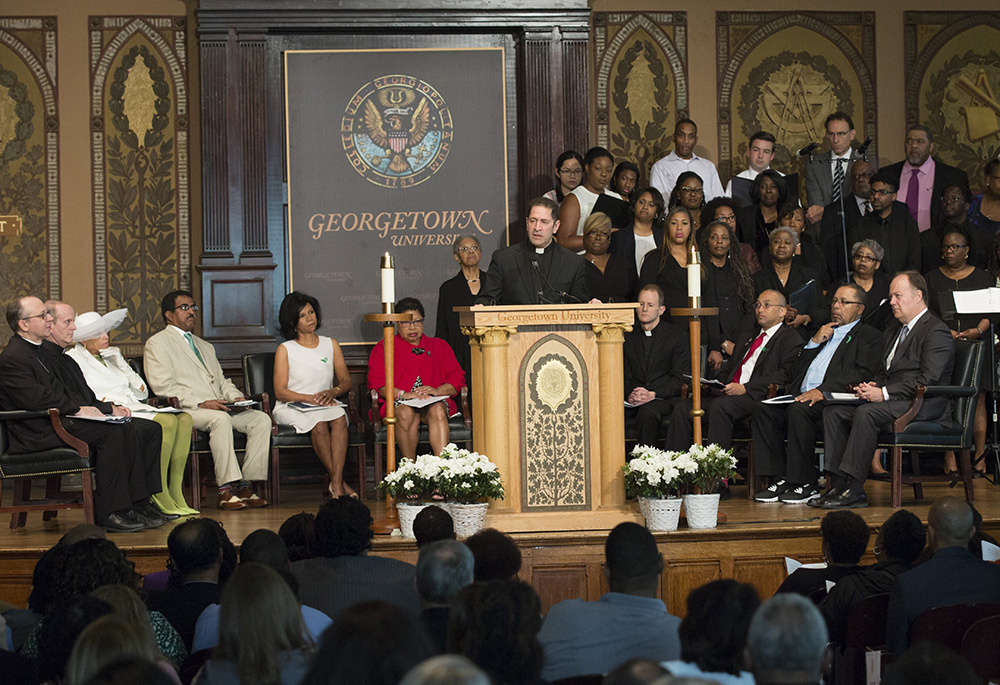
{"type": "Point", "coordinates": [640, 60]}
{"type": "Point", "coordinates": [784, 72]}
{"type": "Point", "coordinates": [139, 141]}
{"type": "Point", "coordinates": [953, 84]}
{"type": "Point", "coordinates": [29, 158]}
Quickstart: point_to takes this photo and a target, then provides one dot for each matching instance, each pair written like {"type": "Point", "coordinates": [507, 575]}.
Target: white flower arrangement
{"type": "Point", "coordinates": [660, 474]}
{"type": "Point", "coordinates": [714, 465]}
{"type": "Point", "coordinates": [457, 473]}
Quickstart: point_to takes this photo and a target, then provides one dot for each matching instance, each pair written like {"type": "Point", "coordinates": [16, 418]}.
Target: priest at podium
{"type": "Point", "coordinates": [538, 271]}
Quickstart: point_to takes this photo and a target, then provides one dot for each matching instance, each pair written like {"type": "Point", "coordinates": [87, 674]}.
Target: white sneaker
{"type": "Point", "coordinates": [773, 491]}
{"type": "Point", "coordinates": [799, 494]}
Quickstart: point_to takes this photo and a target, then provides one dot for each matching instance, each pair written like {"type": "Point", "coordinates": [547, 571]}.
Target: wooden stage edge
{"type": "Point", "coordinates": [749, 547]}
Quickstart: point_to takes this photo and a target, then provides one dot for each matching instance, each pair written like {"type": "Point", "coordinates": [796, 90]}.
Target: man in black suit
{"type": "Point", "coordinates": [821, 190]}
{"type": "Point", "coordinates": [538, 271]}
{"type": "Point", "coordinates": [891, 226]}
{"type": "Point", "coordinates": [762, 356]}
{"type": "Point", "coordinates": [952, 576]}
{"type": "Point", "coordinates": [656, 355]}
{"type": "Point", "coordinates": [917, 351]}
{"type": "Point", "coordinates": [842, 353]}
{"type": "Point", "coordinates": [921, 179]}
{"type": "Point", "coordinates": [35, 376]}
{"type": "Point", "coordinates": [831, 235]}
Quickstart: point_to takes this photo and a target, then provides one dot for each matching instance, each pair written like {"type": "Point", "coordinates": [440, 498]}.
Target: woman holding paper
{"type": "Point", "coordinates": [427, 376]}
{"type": "Point", "coordinates": [309, 375]}
{"type": "Point", "coordinates": [113, 380]}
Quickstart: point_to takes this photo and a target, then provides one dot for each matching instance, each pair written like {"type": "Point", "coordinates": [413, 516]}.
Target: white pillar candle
{"type": "Point", "coordinates": [388, 280]}
{"type": "Point", "coordinates": [694, 279]}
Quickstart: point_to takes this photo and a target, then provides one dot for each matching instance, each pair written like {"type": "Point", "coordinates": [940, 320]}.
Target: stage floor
{"type": "Point", "coordinates": [750, 546]}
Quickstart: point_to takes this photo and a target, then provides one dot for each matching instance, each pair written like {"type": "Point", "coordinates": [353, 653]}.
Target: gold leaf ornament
{"type": "Point", "coordinates": [553, 383]}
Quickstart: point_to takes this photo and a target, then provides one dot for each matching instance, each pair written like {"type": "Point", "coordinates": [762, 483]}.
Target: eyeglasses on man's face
{"type": "Point", "coordinates": [186, 307]}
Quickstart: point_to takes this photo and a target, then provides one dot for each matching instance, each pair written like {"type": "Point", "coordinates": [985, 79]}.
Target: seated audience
{"type": "Point", "coordinates": [689, 193]}
{"type": "Point", "coordinates": [444, 568]}
{"type": "Point", "coordinates": [609, 278]}
{"type": "Point", "coordinates": [624, 180]}
{"type": "Point", "coordinates": [107, 640]}
{"type": "Point", "coordinates": [845, 538]}
{"type": "Point", "coordinates": [629, 621]}
{"type": "Point", "coordinates": [262, 638]}
{"type": "Point", "coordinates": [929, 663]}
{"type": "Point", "coordinates": [496, 554]}
{"type": "Point", "coordinates": [984, 210]}
{"type": "Point", "coordinates": [866, 257]}
{"type": "Point", "coordinates": [656, 357]}
{"type": "Point", "coordinates": [645, 233]}
{"type": "Point", "coordinates": [495, 624]}
{"type": "Point", "coordinates": [951, 576]}
{"type": "Point", "coordinates": [130, 670]}
{"type": "Point", "coordinates": [57, 635]}
{"type": "Point", "coordinates": [714, 633]}
{"type": "Point", "coordinates": [371, 643]}
{"type": "Point", "coordinates": [109, 376]}
{"type": "Point", "coordinates": [789, 276]}
{"type": "Point", "coordinates": [297, 533]}
{"type": "Point", "coordinates": [891, 226]}
{"type": "Point", "coordinates": [310, 369]}
{"type": "Point", "coordinates": [728, 285]}
{"type": "Point", "coordinates": [667, 267]}
{"type": "Point", "coordinates": [786, 643]}
{"type": "Point", "coordinates": [643, 672]}
{"type": "Point", "coordinates": [342, 573]}
{"type": "Point", "coordinates": [569, 174]}
{"type": "Point", "coordinates": [424, 368]}
{"type": "Point", "coordinates": [767, 195]}
{"type": "Point", "coordinates": [898, 544]}
{"type": "Point", "coordinates": [446, 669]}
{"type": "Point", "coordinates": [126, 605]}
{"type": "Point", "coordinates": [461, 290]}
{"type": "Point", "coordinates": [663, 176]}
{"type": "Point", "coordinates": [182, 365]}
{"type": "Point", "coordinates": [831, 235]}
{"type": "Point", "coordinates": [576, 207]}
{"type": "Point", "coordinates": [432, 524]}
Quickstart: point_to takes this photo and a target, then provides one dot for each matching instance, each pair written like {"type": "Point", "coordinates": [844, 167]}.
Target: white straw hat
{"type": "Point", "coordinates": [90, 325]}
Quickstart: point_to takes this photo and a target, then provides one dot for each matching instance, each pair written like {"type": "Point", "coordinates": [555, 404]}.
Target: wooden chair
{"type": "Point", "coordinates": [915, 436]}
{"type": "Point", "coordinates": [51, 464]}
{"type": "Point", "coordinates": [980, 648]}
{"type": "Point", "coordinates": [258, 379]}
{"type": "Point", "coordinates": [865, 631]}
{"type": "Point", "coordinates": [947, 625]}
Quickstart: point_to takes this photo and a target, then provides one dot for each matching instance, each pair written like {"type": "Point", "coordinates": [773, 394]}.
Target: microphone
{"type": "Point", "coordinates": [565, 296]}
{"type": "Point", "coordinates": [862, 152]}
{"type": "Point", "coordinates": [807, 150]}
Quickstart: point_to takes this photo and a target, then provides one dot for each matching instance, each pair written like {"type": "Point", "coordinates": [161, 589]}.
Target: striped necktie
{"type": "Point", "coordinates": [838, 178]}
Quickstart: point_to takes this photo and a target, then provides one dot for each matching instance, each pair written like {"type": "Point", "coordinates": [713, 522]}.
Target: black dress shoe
{"type": "Point", "coordinates": [831, 492]}
{"type": "Point", "coordinates": [146, 521]}
{"type": "Point", "coordinates": [118, 523]}
{"type": "Point", "coordinates": [848, 499]}
{"type": "Point", "coordinates": [151, 512]}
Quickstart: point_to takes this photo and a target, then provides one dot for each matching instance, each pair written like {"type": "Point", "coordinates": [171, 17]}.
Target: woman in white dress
{"type": "Point", "coordinates": [113, 380]}
{"type": "Point", "coordinates": [310, 369]}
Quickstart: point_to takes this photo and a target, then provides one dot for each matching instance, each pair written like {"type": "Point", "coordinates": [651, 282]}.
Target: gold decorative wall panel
{"type": "Point", "coordinates": [29, 158]}
{"type": "Point", "coordinates": [640, 59]}
{"type": "Point", "coordinates": [139, 141]}
{"type": "Point", "coordinates": [784, 72]}
{"type": "Point", "coordinates": [953, 84]}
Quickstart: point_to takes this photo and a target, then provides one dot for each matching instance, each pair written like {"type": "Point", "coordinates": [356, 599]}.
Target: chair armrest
{"type": "Point", "coordinates": [466, 412]}
{"type": "Point", "coordinates": [352, 409]}
{"type": "Point", "coordinates": [22, 414]}
{"type": "Point", "coordinates": [265, 406]}
{"type": "Point", "coordinates": [950, 391]}
{"type": "Point", "coordinates": [376, 417]}
{"type": "Point", "coordinates": [53, 416]}
{"type": "Point", "coordinates": [918, 400]}
{"type": "Point", "coordinates": [772, 390]}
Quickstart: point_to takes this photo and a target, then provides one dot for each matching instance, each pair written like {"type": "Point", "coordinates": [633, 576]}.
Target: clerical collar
{"type": "Point", "coordinates": [539, 250]}
{"type": "Point", "coordinates": [31, 342]}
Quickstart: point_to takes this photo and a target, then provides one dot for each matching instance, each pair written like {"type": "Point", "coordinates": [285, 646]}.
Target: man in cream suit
{"type": "Point", "coordinates": [179, 364]}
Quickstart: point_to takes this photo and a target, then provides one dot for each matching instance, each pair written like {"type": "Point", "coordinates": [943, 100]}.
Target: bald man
{"type": "Point", "coordinates": [952, 576]}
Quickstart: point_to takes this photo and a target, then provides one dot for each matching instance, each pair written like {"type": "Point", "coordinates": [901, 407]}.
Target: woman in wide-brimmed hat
{"type": "Point", "coordinates": [113, 380]}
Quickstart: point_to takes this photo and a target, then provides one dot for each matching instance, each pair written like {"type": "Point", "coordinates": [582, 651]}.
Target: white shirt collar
{"type": "Point", "coordinates": [909, 324]}
{"type": "Point", "coordinates": [181, 333]}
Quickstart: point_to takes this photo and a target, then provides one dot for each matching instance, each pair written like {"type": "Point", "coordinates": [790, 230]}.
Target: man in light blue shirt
{"type": "Point", "coordinates": [842, 353]}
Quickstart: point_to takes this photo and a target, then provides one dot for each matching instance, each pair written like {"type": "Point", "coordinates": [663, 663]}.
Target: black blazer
{"type": "Point", "coordinates": [455, 293]}
{"type": "Point", "coordinates": [926, 357]}
{"type": "Point", "coordinates": [944, 175]}
{"type": "Point", "coordinates": [856, 360]}
{"type": "Point", "coordinates": [623, 241]}
{"type": "Point", "coordinates": [669, 360]}
{"type": "Point", "coordinates": [509, 279]}
{"type": "Point", "coordinates": [897, 234]}
{"type": "Point", "coordinates": [774, 364]}
{"type": "Point", "coordinates": [831, 235]}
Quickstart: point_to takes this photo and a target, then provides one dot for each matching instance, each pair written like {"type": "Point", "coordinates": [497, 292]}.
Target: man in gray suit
{"type": "Point", "coordinates": [835, 163]}
{"type": "Point", "coordinates": [182, 365]}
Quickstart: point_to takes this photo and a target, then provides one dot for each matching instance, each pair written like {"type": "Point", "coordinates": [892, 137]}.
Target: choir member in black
{"type": "Point", "coordinates": [625, 179]}
{"type": "Point", "coordinates": [788, 276]}
{"type": "Point", "coordinates": [866, 257]}
{"type": "Point", "coordinates": [728, 286]}
{"type": "Point", "coordinates": [794, 217]}
{"type": "Point", "coordinates": [724, 209]}
{"type": "Point", "coordinates": [609, 278]}
{"type": "Point", "coordinates": [645, 233]}
{"type": "Point", "coordinates": [667, 267]}
{"type": "Point", "coordinates": [460, 291]}
{"type": "Point", "coordinates": [767, 194]}
{"type": "Point", "coordinates": [689, 193]}
{"type": "Point", "coordinates": [955, 212]}
{"type": "Point", "coordinates": [569, 173]}
{"type": "Point", "coordinates": [892, 226]}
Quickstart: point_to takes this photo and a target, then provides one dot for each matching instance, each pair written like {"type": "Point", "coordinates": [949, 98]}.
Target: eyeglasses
{"type": "Point", "coordinates": [864, 258]}
{"type": "Point", "coordinates": [837, 300]}
{"type": "Point", "coordinates": [947, 248]}
{"type": "Point", "coordinates": [765, 305]}
{"type": "Point", "coordinates": [412, 323]}
{"type": "Point", "coordinates": [952, 198]}
{"type": "Point", "coordinates": [599, 234]}
{"type": "Point", "coordinates": [692, 191]}
{"type": "Point", "coordinates": [571, 172]}
{"type": "Point", "coordinates": [882, 192]}
{"type": "Point", "coordinates": [186, 307]}
{"type": "Point", "coordinates": [837, 134]}
{"type": "Point", "coordinates": [35, 316]}
{"type": "Point", "coordinates": [469, 248]}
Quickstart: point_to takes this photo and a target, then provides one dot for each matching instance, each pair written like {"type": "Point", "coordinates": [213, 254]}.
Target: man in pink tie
{"type": "Point", "coordinates": [922, 179]}
{"type": "Point", "coordinates": [764, 355]}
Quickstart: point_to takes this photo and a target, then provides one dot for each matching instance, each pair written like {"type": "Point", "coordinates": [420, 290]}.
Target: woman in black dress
{"type": "Point", "coordinates": [789, 277]}
{"type": "Point", "coordinates": [645, 233]}
{"type": "Point", "coordinates": [957, 274]}
{"type": "Point", "coordinates": [609, 278]}
{"type": "Point", "coordinates": [460, 291]}
{"type": "Point", "coordinates": [728, 286]}
{"type": "Point", "coordinates": [667, 267]}
{"type": "Point", "coordinates": [768, 193]}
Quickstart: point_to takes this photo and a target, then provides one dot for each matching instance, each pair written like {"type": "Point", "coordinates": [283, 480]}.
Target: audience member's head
{"type": "Point", "coordinates": [258, 618]}
{"type": "Point", "coordinates": [90, 564]}
{"type": "Point", "coordinates": [298, 535]}
{"type": "Point", "coordinates": [497, 555]}
{"type": "Point", "coordinates": [432, 524]}
{"type": "Point", "coordinates": [901, 538]}
{"type": "Point", "coordinates": [60, 630]}
{"type": "Point", "coordinates": [444, 568]}
{"type": "Point", "coordinates": [635, 672]}
{"type": "Point", "coordinates": [447, 669]}
{"type": "Point", "coordinates": [787, 641]}
{"type": "Point", "coordinates": [84, 531]}
{"type": "Point", "coordinates": [371, 643]}
{"type": "Point", "coordinates": [496, 623]}
{"type": "Point", "coordinates": [105, 641]}
{"type": "Point", "coordinates": [845, 537]}
{"type": "Point", "coordinates": [129, 671]}
{"type": "Point", "coordinates": [714, 632]}
{"type": "Point", "coordinates": [266, 547]}
{"type": "Point", "coordinates": [950, 523]}
{"type": "Point", "coordinates": [126, 605]}
{"type": "Point", "coordinates": [632, 562]}
{"type": "Point", "coordinates": [928, 663]}
{"type": "Point", "coordinates": [195, 551]}
{"type": "Point", "coordinates": [343, 528]}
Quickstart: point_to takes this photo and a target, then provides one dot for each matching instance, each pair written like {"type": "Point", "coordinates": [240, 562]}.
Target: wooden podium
{"type": "Point", "coordinates": [548, 410]}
